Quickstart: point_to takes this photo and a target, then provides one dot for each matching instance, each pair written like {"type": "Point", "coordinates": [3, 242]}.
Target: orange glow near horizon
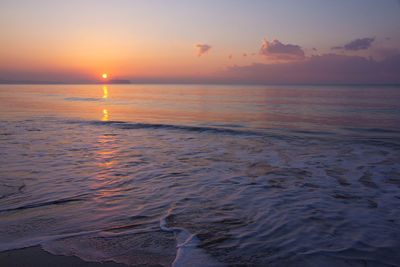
{"type": "Point", "coordinates": [104, 75]}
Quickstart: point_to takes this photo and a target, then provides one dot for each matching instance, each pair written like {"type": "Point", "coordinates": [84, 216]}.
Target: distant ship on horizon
{"type": "Point", "coordinates": [118, 81]}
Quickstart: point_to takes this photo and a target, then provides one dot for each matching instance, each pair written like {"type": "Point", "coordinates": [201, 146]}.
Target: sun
{"type": "Point", "coordinates": [104, 75]}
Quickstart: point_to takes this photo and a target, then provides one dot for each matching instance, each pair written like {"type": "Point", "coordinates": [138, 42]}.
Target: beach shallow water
{"type": "Point", "coordinates": [191, 175]}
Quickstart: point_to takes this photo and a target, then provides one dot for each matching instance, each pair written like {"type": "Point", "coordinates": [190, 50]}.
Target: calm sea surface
{"type": "Point", "coordinates": [202, 175]}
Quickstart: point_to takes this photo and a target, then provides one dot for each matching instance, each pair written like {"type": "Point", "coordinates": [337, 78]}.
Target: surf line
{"type": "Point", "coordinates": [187, 253]}
{"type": "Point", "coordinates": [180, 234]}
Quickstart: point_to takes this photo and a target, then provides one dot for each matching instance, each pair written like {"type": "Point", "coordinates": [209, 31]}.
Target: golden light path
{"type": "Point", "coordinates": [105, 111]}
{"type": "Point", "coordinates": [105, 115]}
{"type": "Point", "coordinates": [105, 92]}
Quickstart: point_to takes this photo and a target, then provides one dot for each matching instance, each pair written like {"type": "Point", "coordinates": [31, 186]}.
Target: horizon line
{"type": "Point", "coordinates": [133, 82]}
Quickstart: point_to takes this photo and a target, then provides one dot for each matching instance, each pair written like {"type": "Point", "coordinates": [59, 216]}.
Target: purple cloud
{"type": "Point", "coordinates": [276, 51]}
{"type": "Point", "coordinates": [202, 49]}
{"type": "Point", "coordinates": [321, 69]}
{"type": "Point", "coordinates": [358, 44]}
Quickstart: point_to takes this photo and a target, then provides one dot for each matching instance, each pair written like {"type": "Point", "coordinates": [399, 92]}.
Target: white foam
{"type": "Point", "coordinates": [188, 254]}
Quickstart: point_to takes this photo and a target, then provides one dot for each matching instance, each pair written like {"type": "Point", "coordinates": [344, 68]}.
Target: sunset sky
{"type": "Point", "coordinates": [232, 41]}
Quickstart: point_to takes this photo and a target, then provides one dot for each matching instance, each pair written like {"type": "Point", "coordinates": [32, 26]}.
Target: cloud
{"type": "Point", "coordinates": [276, 51]}
{"type": "Point", "coordinates": [358, 44]}
{"type": "Point", "coordinates": [320, 69]}
{"type": "Point", "coordinates": [230, 56]}
{"type": "Point", "coordinates": [202, 49]}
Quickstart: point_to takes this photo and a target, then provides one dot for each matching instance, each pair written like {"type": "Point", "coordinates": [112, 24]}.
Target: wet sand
{"type": "Point", "coordinates": [37, 257]}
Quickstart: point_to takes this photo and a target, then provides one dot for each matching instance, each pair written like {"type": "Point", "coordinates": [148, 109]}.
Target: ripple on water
{"type": "Point", "coordinates": [99, 191]}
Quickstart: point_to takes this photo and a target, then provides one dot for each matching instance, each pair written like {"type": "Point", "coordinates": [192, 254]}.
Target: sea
{"type": "Point", "coordinates": [202, 175]}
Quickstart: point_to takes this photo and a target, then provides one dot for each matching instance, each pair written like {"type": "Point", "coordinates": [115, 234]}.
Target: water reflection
{"type": "Point", "coordinates": [105, 92]}
{"type": "Point", "coordinates": [106, 155]}
{"type": "Point", "coordinates": [105, 115]}
{"type": "Point", "coordinates": [105, 111]}
{"type": "Point", "coordinates": [105, 183]}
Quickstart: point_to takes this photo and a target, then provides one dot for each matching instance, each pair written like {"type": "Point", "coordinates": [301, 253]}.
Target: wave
{"type": "Point", "coordinates": [189, 128]}
{"type": "Point", "coordinates": [386, 137]}
{"type": "Point", "coordinates": [188, 253]}
{"type": "Point", "coordinates": [46, 203]}
{"type": "Point", "coordinates": [372, 130]}
{"type": "Point", "coordinates": [277, 133]}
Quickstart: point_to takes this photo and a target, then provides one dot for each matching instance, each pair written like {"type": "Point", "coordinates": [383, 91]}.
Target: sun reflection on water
{"type": "Point", "coordinates": [105, 92]}
{"type": "Point", "coordinates": [105, 111]}
{"type": "Point", "coordinates": [106, 162]}
{"type": "Point", "coordinates": [105, 115]}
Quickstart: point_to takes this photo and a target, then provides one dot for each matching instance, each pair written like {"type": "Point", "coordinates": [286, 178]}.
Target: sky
{"type": "Point", "coordinates": [221, 41]}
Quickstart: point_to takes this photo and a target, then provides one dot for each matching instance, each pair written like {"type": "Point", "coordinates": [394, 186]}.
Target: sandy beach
{"type": "Point", "coordinates": [37, 257]}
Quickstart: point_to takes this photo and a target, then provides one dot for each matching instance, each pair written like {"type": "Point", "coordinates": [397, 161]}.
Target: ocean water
{"type": "Point", "coordinates": [202, 175]}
